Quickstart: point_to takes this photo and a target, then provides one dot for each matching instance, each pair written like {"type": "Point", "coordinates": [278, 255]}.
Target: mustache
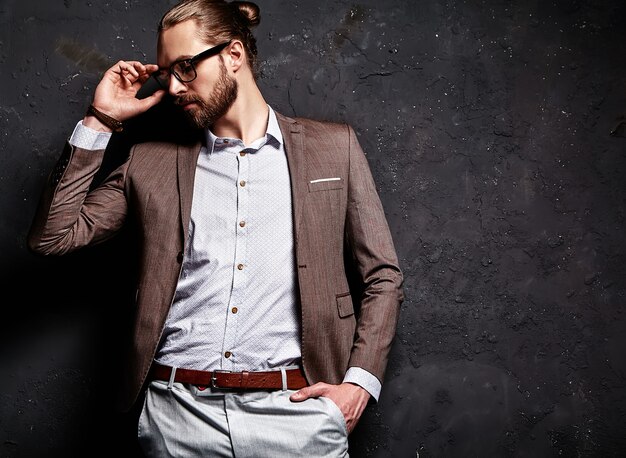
{"type": "Point", "coordinates": [184, 100]}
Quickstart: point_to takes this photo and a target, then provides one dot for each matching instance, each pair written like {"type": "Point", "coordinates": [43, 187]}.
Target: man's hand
{"type": "Point", "coordinates": [115, 94]}
{"type": "Point", "coordinates": [350, 398]}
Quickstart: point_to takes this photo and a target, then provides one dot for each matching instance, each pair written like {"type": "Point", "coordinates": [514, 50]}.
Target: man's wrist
{"type": "Point", "coordinates": [94, 123]}
{"type": "Point", "coordinates": [364, 379]}
{"type": "Point", "coordinates": [112, 123]}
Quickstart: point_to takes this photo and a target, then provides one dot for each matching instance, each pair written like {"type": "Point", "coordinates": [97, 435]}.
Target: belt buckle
{"type": "Point", "coordinates": [214, 380]}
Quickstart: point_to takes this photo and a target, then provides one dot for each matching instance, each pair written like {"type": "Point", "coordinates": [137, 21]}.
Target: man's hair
{"type": "Point", "coordinates": [219, 21]}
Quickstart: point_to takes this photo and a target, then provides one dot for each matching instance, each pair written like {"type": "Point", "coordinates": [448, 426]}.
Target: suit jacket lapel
{"type": "Point", "coordinates": [293, 137]}
{"type": "Point", "coordinates": [187, 160]}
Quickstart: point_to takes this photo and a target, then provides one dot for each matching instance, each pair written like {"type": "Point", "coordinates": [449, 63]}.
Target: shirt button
{"type": "Point", "coordinates": [226, 141]}
{"type": "Point", "coordinates": [240, 266]}
{"type": "Point", "coordinates": [227, 354]}
{"type": "Point", "coordinates": [242, 223]}
{"type": "Point", "coordinates": [242, 153]}
{"type": "Point", "coordinates": [242, 183]}
{"type": "Point", "coordinates": [235, 310]}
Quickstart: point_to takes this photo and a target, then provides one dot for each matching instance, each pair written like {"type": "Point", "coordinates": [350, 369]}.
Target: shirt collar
{"type": "Point", "coordinates": [272, 132]}
{"type": "Point", "coordinates": [273, 128]}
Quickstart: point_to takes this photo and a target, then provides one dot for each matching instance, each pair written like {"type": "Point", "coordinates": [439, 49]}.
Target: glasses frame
{"type": "Point", "coordinates": [192, 61]}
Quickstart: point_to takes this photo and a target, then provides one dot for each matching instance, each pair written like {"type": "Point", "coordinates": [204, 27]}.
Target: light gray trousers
{"type": "Point", "coordinates": [179, 420]}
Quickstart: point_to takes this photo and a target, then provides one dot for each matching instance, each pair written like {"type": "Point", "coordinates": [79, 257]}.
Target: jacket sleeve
{"type": "Point", "coordinates": [69, 215]}
{"type": "Point", "coordinates": [369, 240]}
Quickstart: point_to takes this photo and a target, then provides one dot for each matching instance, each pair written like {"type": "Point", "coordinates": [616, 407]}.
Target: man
{"type": "Point", "coordinates": [246, 339]}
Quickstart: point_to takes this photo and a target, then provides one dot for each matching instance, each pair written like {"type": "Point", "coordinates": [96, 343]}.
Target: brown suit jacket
{"type": "Point", "coordinates": [331, 219]}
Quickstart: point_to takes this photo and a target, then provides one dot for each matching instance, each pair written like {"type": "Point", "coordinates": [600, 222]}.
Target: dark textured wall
{"type": "Point", "coordinates": [495, 131]}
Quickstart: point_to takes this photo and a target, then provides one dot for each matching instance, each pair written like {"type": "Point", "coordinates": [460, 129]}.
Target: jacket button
{"type": "Point", "coordinates": [179, 257]}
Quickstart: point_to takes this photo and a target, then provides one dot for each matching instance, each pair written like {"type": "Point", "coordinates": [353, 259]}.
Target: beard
{"type": "Point", "coordinates": [218, 103]}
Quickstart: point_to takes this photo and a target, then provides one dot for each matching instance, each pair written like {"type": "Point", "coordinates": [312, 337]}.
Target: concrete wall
{"type": "Point", "coordinates": [496, 133]}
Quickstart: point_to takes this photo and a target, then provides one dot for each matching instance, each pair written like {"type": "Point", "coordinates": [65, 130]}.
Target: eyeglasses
{"type": "Point", "coordinates": [185, 69]}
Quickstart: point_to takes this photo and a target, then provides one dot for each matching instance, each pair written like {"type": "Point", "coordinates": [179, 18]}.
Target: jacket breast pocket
{"type": "Point", "coordinates": [325, 184]}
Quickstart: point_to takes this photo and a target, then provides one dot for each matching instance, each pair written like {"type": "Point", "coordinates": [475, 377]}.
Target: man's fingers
{"type": "Point", "coordinates": [138, 66]}
{"type": "Point", "coordinates": [313, 391]}
{"type": "Point", "coordinates": [129, 71]}
{"type": "Point", "coordinates": [147, 71]}
{"type": "Point", "coordinates": [151, 68]}
{"type": "Point", "coordinates": [133, 70]}
{"type": "Point", "coordinates": [152, 100]}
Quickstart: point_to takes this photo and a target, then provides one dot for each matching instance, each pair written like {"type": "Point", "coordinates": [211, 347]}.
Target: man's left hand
{"type": "Point", "coordinates": [350, 398]}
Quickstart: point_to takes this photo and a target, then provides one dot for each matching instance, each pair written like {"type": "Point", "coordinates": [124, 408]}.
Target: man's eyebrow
{"type": "Point", "coordinates": [183, 57]}
{"type": "Point", "coordinates": [178, 59]}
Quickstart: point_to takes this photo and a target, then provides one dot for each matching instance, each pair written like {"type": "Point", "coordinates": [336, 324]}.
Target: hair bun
{"type": "Point", "coordinates": [250, 11]}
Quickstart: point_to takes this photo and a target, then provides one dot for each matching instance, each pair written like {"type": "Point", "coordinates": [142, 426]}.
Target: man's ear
{"type": "Point", "coordinates": [236, 56]}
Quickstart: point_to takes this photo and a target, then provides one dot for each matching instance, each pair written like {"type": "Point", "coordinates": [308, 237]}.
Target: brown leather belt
{"type": "Point", "coordinates": [270, 380]}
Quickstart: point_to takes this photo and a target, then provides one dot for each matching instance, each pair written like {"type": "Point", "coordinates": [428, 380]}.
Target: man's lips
{"type": "Point", "coordinates": [187, 105]}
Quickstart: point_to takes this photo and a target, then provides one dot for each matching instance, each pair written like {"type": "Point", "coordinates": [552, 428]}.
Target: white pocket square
{"type": "Point", "coordinates": [319, 180]}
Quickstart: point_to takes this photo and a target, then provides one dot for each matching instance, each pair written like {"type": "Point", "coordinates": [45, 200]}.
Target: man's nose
{"type": "Point", "coordinates": [176, 87]}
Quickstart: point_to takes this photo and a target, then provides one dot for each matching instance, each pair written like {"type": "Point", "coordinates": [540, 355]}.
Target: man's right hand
{"type": "Point", "coordinates": [115, 94]}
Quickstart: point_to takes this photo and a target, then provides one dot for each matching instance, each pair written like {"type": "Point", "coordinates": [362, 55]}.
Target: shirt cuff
{"type": "Point", "coordinates": [87, 138]}
{"type": "Point", "coordinates": [364, 379]}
